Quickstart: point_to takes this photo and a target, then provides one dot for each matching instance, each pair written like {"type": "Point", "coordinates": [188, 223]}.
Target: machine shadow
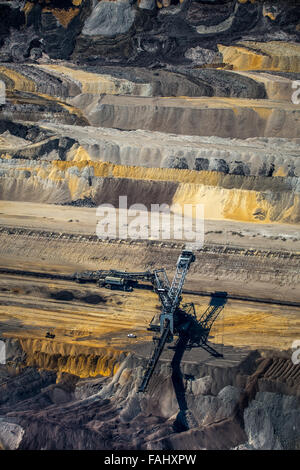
{"type": "Point", "coordinates": [185, 420]}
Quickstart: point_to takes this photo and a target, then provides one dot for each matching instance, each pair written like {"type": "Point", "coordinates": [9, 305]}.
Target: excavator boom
{"type": "Point", "coordinates": [170, 298]}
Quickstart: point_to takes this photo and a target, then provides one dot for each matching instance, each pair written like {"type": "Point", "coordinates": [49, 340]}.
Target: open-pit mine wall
{"type": "Point", "coordinates": [251, 402]}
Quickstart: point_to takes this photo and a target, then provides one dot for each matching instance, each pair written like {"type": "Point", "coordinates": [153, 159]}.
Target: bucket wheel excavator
{"type": "Point", "coordinates": [177, 319]}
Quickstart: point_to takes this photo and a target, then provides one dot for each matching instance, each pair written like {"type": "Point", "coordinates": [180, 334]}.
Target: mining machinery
{"type": "Point", "coordinates": [180, 320]}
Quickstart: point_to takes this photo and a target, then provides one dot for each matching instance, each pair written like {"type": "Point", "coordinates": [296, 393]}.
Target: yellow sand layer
{"type": "Point", "coordinates": [22, 83]}
{"type": "Point", "coordinates": [277, 87]}
{"type": "Point", "coordinates": [273, 55]}
{"type": "Point", "coordinates": [194, 187]}
{"type": "Point", "coordinates": [236, 204]}
{"type": "Point", "coordinates": [104, 169]}
{"type": "Point", "coordinates": [220, 203]}
{"type": "Point", "coordinates": [28, 7]}
{"type": "Point", "coordinates": [241, 324]}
